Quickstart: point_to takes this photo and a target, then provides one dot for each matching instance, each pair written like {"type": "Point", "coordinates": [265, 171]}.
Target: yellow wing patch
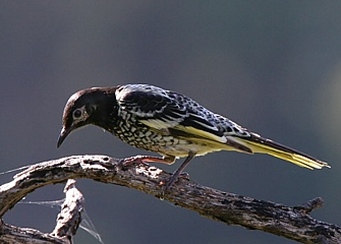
{"type": "Point", "coordinates": [158, 124]}
{"type": "Point", "coordinates": [191, 131]}
{"type": "Point", "coordinates": [200, 133]}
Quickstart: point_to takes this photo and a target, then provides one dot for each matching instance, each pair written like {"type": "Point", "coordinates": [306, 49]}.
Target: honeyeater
{"type": "Point", "coordinates": [168, 123]}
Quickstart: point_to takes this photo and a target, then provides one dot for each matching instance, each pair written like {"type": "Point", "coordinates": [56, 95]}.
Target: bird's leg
{"type": "Point", "coordinates": [144, 159]}
{"type": "Point", "coordinates": [177, 173]}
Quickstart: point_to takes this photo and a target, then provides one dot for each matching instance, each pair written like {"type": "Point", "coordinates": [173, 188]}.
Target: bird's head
{"type": "Point", "coordinates": [88, 106]}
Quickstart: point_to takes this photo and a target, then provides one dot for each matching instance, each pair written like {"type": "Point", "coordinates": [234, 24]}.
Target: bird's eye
{"type": "Point", "coordinates": [77, 113]}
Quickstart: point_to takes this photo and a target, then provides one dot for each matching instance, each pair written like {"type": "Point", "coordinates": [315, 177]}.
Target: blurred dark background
{"type": "Point", "coordinates": [272, 66]}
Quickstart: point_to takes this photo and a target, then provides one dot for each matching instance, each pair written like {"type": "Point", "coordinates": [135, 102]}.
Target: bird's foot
{"type": "Point", "coordinates": [138, 159]}
{"type": "Point", "coordinates": [142, 159]}
{"type": "Point", "coordinates": [176, 175]}
{"type": "Point", "coordinates": [184, 175]}
{"type": "Point", "coordinates": [171, 181]}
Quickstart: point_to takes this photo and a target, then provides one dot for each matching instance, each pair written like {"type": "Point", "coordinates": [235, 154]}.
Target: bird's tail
{"type": "Point", "coordinates": [259, 144]}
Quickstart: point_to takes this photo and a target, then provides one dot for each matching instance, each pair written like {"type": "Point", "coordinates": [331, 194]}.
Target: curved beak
{"type": "Point", "coordinates": [63, 134]}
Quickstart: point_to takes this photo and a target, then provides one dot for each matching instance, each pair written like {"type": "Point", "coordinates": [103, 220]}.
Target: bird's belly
{"type": "Point", "coordinates": [165, 144]}
{"type": "Point", "coordinates": [184, 149]}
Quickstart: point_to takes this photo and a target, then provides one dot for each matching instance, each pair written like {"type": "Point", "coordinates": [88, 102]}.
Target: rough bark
{"type": "Point", "coordinates": [290, 222]}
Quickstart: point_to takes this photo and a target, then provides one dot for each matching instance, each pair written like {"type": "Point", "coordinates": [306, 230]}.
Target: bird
{"type": "Point", "coordinates": [170, 124]}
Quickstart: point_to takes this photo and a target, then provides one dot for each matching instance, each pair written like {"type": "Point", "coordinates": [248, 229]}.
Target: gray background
{"type": "Point", "coordinates": [272, 66]}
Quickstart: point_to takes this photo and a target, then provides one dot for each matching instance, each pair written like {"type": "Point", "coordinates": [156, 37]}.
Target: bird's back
{"type": "Point", "coordinates": [168, 122]}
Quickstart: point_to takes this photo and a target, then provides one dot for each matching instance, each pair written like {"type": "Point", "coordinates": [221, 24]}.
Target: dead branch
{"type": "Point", "coordinates": [70, 216]}
{"type": "Point", "coordinates": [291, 222]}
{"type": "Point", "coordinates": [68, 221]}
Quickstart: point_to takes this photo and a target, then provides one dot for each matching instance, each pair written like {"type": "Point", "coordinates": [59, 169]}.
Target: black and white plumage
{"type": "Point", "coordinates": [168, 123]}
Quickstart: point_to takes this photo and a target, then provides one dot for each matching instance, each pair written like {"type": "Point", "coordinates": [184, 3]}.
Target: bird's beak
{"type": "Point", "coordinates": [63, 134]}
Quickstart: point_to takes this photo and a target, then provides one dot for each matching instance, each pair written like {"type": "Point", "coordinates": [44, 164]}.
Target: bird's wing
{"type": "Point", "coordinates": [151, 105]}
{"type": "Point", "coordinates": [172, 113]}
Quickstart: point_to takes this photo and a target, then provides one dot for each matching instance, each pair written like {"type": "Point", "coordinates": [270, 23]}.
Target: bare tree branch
{"type": "Point", "coordinates": [67, 222]}
{"type": "Point", "coordinates": [291, 222]}
{"type": "Point", "coordinates": [10, 234]}
{"type": "Point", "coordinates": [71, 212]}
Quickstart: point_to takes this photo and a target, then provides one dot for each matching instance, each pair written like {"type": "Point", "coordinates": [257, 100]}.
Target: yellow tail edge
{"type": "Point", "coordinates": [285, 153]}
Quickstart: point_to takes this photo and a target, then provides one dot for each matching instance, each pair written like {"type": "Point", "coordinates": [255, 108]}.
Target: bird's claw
{"type": "Point", "coordinates": [138, 159]}
{"type": "Point", "coordinates": [171, 181]}
{"type": "Point", "coordinates": [143, 159]}
{"type": "Point", "coordinates": [184, 175]}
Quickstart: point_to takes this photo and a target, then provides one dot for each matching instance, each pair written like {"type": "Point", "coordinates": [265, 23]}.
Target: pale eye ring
{"type": "Point", "coordinates": [77, 113]}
